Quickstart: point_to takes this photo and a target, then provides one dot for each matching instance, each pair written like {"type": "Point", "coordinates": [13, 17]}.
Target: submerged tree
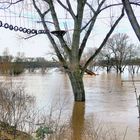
{"type": "Point", "coordinates": [120, 50]}
{"type": "Point", "coordinates": [80, 35]}
{"type": "Point", "coordinates": [105, 59]}
{"type": "Point", "coordinates": [77, 11]}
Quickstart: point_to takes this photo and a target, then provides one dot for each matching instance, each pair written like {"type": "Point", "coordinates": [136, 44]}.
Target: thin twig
{"type": "Point", "coordinates": [125, 133]}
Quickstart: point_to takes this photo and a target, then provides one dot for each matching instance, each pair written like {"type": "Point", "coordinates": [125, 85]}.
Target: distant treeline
{"type": "Point", "coordinates": [113, 61]}
{"type": "Point", "coordinates": [17, 65]}
{"type": "Point", "coordinates": [38, 64]}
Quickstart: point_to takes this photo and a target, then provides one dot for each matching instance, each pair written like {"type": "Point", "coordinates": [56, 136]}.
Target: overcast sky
{"type": "Point", "coordinates": [39, 45]}
{"type": "Point", "coordinates": [34, 47]}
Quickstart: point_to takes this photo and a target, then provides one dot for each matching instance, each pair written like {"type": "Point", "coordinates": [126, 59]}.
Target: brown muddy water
{"type": "Point", "coordinates": [110, 103]}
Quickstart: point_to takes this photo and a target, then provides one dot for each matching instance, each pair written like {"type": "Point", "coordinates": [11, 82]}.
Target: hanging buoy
{"type": "Point", "coordinates": [20, 29]}
{"type": "Point", "coordinates": [11, 27]}
{"type": "Point", "coordinates": [28, 31]}
{"type": "Point", "coordinates": [0, 23]}
{"type": "Point", "coordinates": [24, 30]}
{"type": "Point", "coordinates": [40, 31]}
{"type": "Point", "coordinates": [33, 31]}
{"type": "Point", "coordinates": [6, 25]}
{"type": "Point", "coordinates": [15, 28]}
{"type": "Point", "coordinates": [43, 31]}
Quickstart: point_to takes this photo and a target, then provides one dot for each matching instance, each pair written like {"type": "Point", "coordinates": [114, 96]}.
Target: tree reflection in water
{"type": "Point", "coordinates": [78, 120]}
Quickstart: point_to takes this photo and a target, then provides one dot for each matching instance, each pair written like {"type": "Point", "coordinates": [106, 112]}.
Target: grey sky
{"type": "Point", "coordinates": [39, 45]}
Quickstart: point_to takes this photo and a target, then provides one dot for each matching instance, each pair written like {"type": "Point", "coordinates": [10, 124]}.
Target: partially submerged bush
{"type": "Point", "coordinates": [18, 115]}
{"type": "Point", "coordinates": [15, 108]}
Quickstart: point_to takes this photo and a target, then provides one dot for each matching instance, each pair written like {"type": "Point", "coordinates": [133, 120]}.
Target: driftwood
{"type": "Point", "coordinates": [90, 72]}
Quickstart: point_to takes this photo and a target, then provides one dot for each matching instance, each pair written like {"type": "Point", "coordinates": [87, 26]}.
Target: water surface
{"type": "Point", "coordinates": [109, 101]}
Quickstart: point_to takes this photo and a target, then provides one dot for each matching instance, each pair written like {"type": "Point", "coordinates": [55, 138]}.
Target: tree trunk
{"type": "Point", "coordinates": [120, 70]}
{"type": "Point", "coordinates": [132, 18]}
{"type": "Point", "coordinates": [77, 84]}
{"type": "Point", "coordinates": [108, 69]}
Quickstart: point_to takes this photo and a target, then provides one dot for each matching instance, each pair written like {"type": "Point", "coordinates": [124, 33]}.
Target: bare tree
{"type": "Point", "coordinates": [81, 31]}
{"type": "Point", "coordinates": [120, 50]}
{"type": "Point", "coordinates": [104, 59]}
{"type": "Point", "coordinates": [80, 35]}
{"type": "Point", "coordinates": [15, 108]}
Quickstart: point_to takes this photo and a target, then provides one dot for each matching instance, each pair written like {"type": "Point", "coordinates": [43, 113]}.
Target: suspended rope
{"type": "Point", "coordinates": [5, 17]}
{"type": "Point", "coordinates": [21, 29]}
{"type": "Point", "coordinates": [14, 8]}
{"type": "Point", "coordinates": [19, 18]}
{"type": "Point", "coordinates": [23, 18]}
{"type": "Point", "coordinates": [20, 12]}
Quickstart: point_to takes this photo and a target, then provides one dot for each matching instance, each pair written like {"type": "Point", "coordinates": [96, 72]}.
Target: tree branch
{"type": "Point", "coordinates": [57, 27]}
{"type": "Point", "coordinates": [46, 12]}
{"type": "Point", "coordinates": [93, 20]}
{"type": "Point", "coordinates": [7, 2]}
{"type": "Point", "coordinates": [37, 9]}
{"type": "Point", "coordinates": [111, 5]}
{"type": "Point", "coordinates": [54, 15]}
{"type": "Point", "coordinates": [84, 41]}
{"type": "Point", "coordinates": [59, 55]}
{"type": "Point", "coordinates": [49, 35]}
{"type": "Point", "coordinates": [69, 8]}
{"type": "Point", "coordinates": [104, 41]}
{"type": "Point", "coordinates": [131, 16]}
{"type": "Point", "coordinates": [118, 4]}
{"type": "Point", "coordinates": [90, 7]}
{"type": "Point", "coordinates": [30, 36]}
{"type": "Point", "coordinates": [84, 27]}
{"type": "Point", "coordinates": [10, 3]}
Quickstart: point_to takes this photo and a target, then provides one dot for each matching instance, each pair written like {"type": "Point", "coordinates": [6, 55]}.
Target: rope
{"type": "Point", "coordinates": [21, 29]}
{"type": "Point", "coordinates": [23, 18]}
{"type": "Point", "coordinates": [15, 17]}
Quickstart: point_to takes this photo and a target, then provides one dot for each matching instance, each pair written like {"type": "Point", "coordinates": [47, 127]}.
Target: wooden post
{"type": "Point", "coordinates": [139, 105]}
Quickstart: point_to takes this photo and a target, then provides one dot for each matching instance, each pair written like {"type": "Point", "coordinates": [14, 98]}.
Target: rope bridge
{"type": "Point", "coordinates": [21, 17]}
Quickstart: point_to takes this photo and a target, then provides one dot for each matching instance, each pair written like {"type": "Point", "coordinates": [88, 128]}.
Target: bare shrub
{"type": "Point", "coordinates": [17, 112]}
{"type": "Point", "coordinates": [52, 123]}
{"type": "Point", "coordinates": [15, 107]}
{"type": "Point", "coordinates": [53, 126]}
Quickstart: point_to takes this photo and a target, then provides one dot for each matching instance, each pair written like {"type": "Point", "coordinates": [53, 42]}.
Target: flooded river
{"type": "Point", "coordinates": [110, 103]}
